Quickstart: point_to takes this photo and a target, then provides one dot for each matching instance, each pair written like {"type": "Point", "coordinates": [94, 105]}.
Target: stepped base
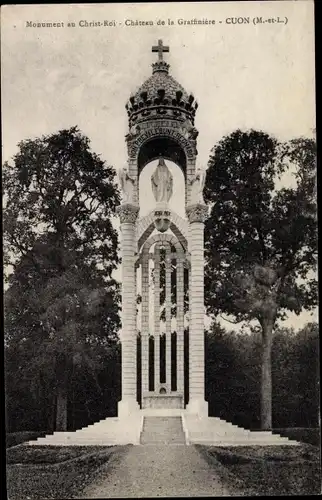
{"type": "Point", "coordinates": [162, 430]}
{"type": "Point", "coordinates": [212, 431]}
{"type": "Point", "coordinates": [163, 426]}
{"type": "Point", "coordinates": [161, 412]}
{"type": "Point", "coordinates": [107, 432]}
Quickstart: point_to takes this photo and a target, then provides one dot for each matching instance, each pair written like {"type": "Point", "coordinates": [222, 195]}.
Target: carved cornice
{"type": "Point", "coordinates": [128, 213]}
{"type": "Point", "coordinates": [197, 213]}
{"type": "Point", "coordinates": [155, 130]}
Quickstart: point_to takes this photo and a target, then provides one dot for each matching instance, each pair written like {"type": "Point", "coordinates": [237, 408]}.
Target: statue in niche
{"type": "Point", "coordinates": [162, 183]}
{"type": "Point", "coordinates": [188, 130]}
{"type": "Point", "coordinates": [197, 186]}
{"type": "Point", "coordinates": [134, 131]}
{"type": "Point", "coordinates": [127, 185]}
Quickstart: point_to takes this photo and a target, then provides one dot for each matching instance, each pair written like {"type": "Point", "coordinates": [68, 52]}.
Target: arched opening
{"type": "Point", "coordinates": [161, 320]}
{"type": "Point", "coordinates": [146, 198]}
{"type": "Point", "coordinates": [166, 147]}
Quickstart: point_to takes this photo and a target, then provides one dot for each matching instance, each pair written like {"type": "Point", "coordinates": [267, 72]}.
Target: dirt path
{"type": "Point", "coordinates": [158, 470]}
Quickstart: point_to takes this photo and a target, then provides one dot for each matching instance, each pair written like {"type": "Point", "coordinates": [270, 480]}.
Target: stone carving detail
{"type": "Point", "coordinates": [134, 131]}
{"type": "Point", "coordinates": [162, 219]}
{"type": "Point", "coordinates": [155, 130]}
{"type": "Point", "coordinates": [197, 186]}
{"type": "Point", "coordinates": [128, 185]}
{"type": "Point", "coordinates": [162, 183]}
{"type": "Point", "coordinates": [188, 130]}
{"type": "Point", "coordinates": [128, 213]}
{"type": "Point", "coordinates": [197, 213]}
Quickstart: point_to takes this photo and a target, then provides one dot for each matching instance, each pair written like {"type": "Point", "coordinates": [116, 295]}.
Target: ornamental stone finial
{"type": "Point", "coordinates": [197, 212]}
{"type": "Point", "coordinates": [128, 213]}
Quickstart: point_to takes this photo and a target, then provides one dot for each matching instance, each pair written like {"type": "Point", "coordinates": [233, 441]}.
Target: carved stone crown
{"type": "Point", "coordinates": [160, 66]}
{"type": "Point", "coordinates": [128, 213]}
{"type": "Point", "coordinates": [161, 96]}
{"type": "Point", "coordinates": [197, 213]}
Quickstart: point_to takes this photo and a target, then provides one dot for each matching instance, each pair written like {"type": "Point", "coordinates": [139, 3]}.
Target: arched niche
{"type": "Point", "coordinates": [146, 197]}
{"type": "Point", "coordinates": [162, 238]}
{"type": "Point", "coordinates": [166, 147]}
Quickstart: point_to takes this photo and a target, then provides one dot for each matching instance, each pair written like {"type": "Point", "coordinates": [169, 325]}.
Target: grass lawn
{"type": "Point", "coordinates": [44, 472]}
{"type": "Point", "coordinates": [271, 470]}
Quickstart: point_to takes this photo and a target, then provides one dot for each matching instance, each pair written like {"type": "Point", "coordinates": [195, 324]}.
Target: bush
{"type": "Point", "coordinates": [304, 435]}
{"type": "Point", "coordinates": [15, 438]}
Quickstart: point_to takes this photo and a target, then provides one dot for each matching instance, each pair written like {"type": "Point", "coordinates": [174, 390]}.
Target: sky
{"type": "Point", "coordinates": [244, 75]}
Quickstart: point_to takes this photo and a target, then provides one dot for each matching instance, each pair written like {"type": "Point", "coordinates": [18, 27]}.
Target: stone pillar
{"type": "Point", "coordinates": [180, 326]}
{"type": "Point", "coordinates": [168, 317]}
{"type": "Point", "coordinates": [157, 318]}
{"type": "Point", "coordinates": [197, 404]}
{"type": "Point", "coordinates": [128, 214]}
{"type": "Point", "coordinates": [145, 324]}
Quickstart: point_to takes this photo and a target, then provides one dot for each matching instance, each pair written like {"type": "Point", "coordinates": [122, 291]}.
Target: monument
{"type": "Point", "coordinates": [161, 127]}
{"type": "Point", "coordinates": [163, 257]}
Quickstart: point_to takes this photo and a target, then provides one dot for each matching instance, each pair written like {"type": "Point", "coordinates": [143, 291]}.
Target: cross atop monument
{"type": "Point", "coordinates": [160, 48]}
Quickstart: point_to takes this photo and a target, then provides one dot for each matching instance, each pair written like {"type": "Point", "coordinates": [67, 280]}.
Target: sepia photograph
{"type": "Point", "coordinates": [160, 250]}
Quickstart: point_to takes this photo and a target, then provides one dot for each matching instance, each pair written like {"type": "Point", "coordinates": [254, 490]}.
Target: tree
{"type": "Point", "coordinates": [58, 326]}
{"type": "Point", "coordinates": [260, 242]}
{"type": "Point", "coordinates": [233, 366]}
{"type": "Point", "coordinates": [57, 185]}
{"type": "Point", "coordinates": [61, 303]}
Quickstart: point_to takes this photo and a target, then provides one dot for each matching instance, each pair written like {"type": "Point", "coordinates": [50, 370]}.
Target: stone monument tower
{"type": "Point", "coordinates": [161, 127]}
{"type": "Point", "coordinates": [163, 255]}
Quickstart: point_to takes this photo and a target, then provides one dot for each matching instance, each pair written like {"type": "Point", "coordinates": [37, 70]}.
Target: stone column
{"type": "Point", "coordinates": [128, 214]}
{"type": "Point", "coordinates": [180, 326]}
{"type": "Point", "coordinates": [145, 325]}
{"type": "Point", "coordinates": [157, 318]}
{"type": "Point", "coordinates": [168, 317]}
{"type": "Point", "coordinates": [197, 404]}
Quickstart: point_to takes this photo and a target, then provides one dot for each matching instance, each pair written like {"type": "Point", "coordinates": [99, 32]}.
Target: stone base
{"type": "Point", "coordinates": [127, 407]}
{"type": "Point", "coordinates": [213, 431]}
{"type": "Point", "coordinates": [167, 401]}
{"type": "Point", "coordinates": [108, 432]}
{"type": "Point", "coordinates": [197, 407]}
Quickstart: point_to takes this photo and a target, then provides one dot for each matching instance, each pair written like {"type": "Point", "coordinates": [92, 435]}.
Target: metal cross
{"type": "Point", "coordinates": [160, 48]}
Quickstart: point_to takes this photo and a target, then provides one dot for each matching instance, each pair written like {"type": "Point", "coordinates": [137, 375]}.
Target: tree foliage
{"type": "Point", "coordinates": [261, 244]}
{"type": "Point", "coordinates": [233, 367]}
{"type": "Point", "coordinates": [62, 306]}
{"type": "Point", "coordinates": [56, 185]}
{"type": "Point", "coordinates": [260, 241]}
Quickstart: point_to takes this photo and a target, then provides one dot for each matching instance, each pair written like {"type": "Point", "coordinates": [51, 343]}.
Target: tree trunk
{"type": "Point", "coordinates": [61, 408]}
{"type": "Point", "coordinates": [51, 413]}
{"type": "Point", "coordinates": [266, 381]}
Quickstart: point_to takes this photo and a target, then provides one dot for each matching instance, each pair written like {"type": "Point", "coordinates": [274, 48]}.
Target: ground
{"type": "Point", "coordinates": [142, 471]}
{"type": "Point", "coordinates": [45, 472]}
{"type": "Point", "coordinates": [271, 470]}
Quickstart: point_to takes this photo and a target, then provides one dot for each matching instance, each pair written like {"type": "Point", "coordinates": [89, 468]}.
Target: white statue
{"type": "Point", "coordinates": [188, 130]}
{"type": "Point", "coordinates": [134, 131]}
{"type": "Point", "coordinates": [162, 183]}
{"type": "Point", "coordinates": [127, 185]}
{"type": "Point", "coordinates": [197, 185]}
